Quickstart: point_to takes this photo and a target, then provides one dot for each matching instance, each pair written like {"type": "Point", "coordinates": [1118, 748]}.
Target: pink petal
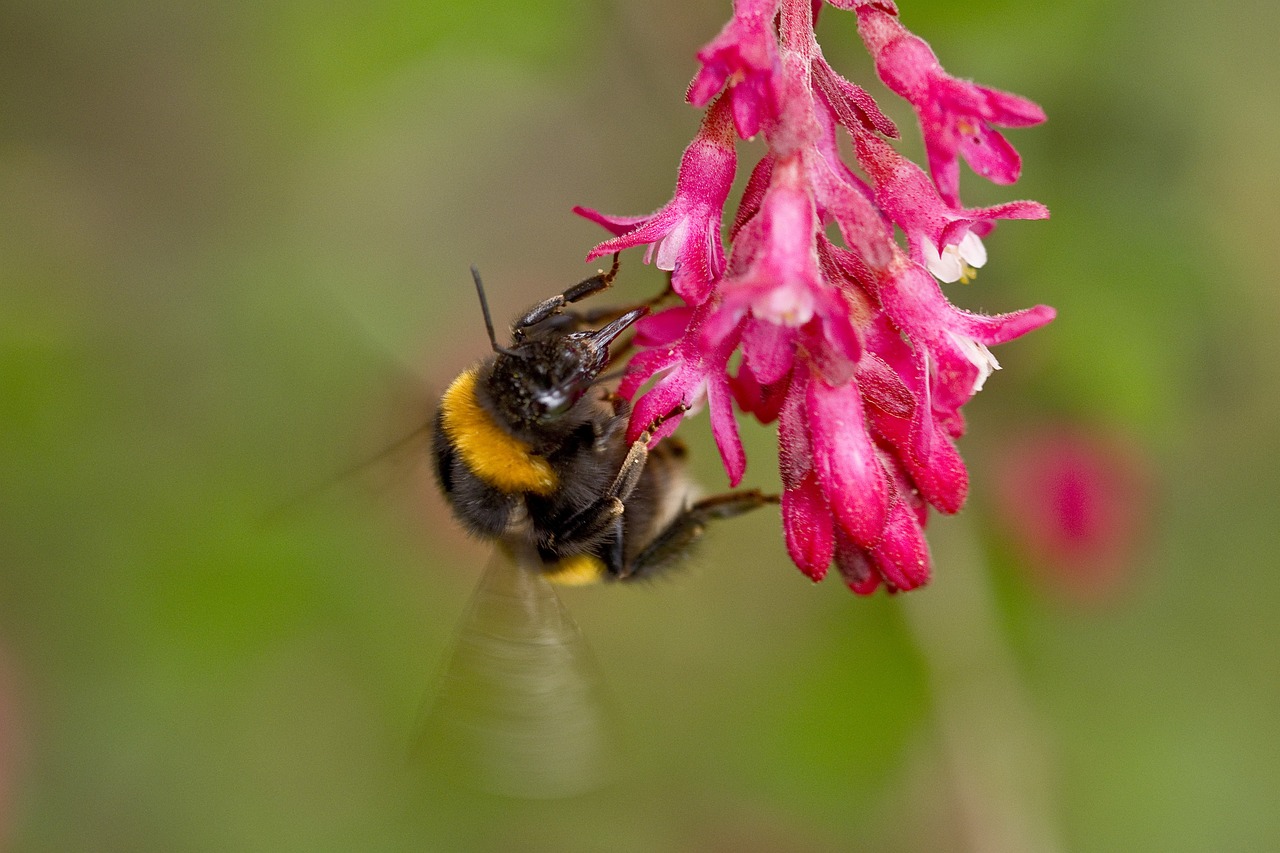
{"type": "Point", "coordinates": [902, 556]}
{"type": "Point", "coordinates": [768, 349]}
{"type": "Point", "coordinates": [992, 329]}
{"type": "Point", "coordinates": [980, 220]}
{"type": "Point", "coordinates": [795, 456]}
{"type": "Point", "coordinates": [915, 303]}
{"type": "Point", "coordinates": [724, 427]}
{"type": "Point", "coordinates": [763, 401]}
{"type": "Point", "coordinates": [990, 155]}
{"type": "Point", "coordinates": [618, 225]}
{"type": "Point", "coordinates": [883, 388]}
{"type": "Point", "coordinates": [753, 194]}
{"type": "Point", "coordinates": [643, 366]}
{"type": "Point", "coordinates": [699, 262]}
{"type": "Point", "coordinates": [753, 102]}
{"type": "Point", "coordinates": [746, 46]}
{"type": "Point", "coordinates": [865, 230]}
{"type": "Point", "coordinates": [1009, 110]}
{"type": "Point", "coordinates": [718, 330]}
{"type": "Point", "coordinates": [855, 565]}
{"type": "Point", "coordinates": [671, 391]}
{"type": "Point", "coordinates": [846, 461]}
{"type": "Point", "coordinates": [850, 103]}
{"type": "Point", "coordinates": [651, 229]}
{"type": "Point", "coordinates": [806, 522]}
{"type": "Point", "coordinates": [832, 339]}
{"type": "Point", "coordinates": [855, 5]}
{"type": "Point", "coordinates": [941, 477]}
{"type": "Point", "coordinates": [663, 328]}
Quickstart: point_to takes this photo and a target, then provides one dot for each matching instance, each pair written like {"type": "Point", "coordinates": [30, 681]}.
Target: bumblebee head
{"type": "Point", "coordinates": [538, 382]}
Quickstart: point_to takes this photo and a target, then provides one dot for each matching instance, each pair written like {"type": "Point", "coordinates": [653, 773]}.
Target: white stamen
{"type": "Point", "coordinates": [946, 267]}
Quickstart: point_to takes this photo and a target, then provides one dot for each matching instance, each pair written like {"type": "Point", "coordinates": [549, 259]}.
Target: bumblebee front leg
{"type": "Point", "coordinates": [554, 305]}
{"type": "Point", "coordinates": [613, 312]}
{"type": "Point", "coordinates": [606, 511]}
{"type": "Point", "coordinates": [673, 542]}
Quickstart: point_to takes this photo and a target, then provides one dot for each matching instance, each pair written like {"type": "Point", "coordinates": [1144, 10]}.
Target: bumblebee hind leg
{"type": "Point", "coordinates": [674, 541]}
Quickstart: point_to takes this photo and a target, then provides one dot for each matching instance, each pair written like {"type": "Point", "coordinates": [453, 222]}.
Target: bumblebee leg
{"type": "Point", "coordinates": [673, 541]}
{"type": "Point", "coordinates": [633, 466]}
{"type": "Point", "coordinates": [613, 551]}
{"type": "Point", "coordinates": [613, 312]}
{"type": "Point", "coordinates": [587, 523]}
{"type": "Point", "coordinates": [554, 307]}
{"type": "Point", "coordinates": [549, 307]}
{"type": "Point", "coordinates": [591, 520]}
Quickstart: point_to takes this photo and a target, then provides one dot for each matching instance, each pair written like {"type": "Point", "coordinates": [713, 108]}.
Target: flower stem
{"type": "Point", "coordinates": [796, 26]}
{"type": "Point", "coordinates": [992, 740]}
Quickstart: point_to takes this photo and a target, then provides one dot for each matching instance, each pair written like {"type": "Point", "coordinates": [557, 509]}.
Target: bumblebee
{"type": "Point", "coordinates": [530, 451]}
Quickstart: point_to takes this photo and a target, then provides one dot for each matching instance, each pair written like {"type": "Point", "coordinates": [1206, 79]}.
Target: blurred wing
{"type": "Point", "coordinates": [374, 474]}
{"type": "Point", "coordinates": [519, 711]}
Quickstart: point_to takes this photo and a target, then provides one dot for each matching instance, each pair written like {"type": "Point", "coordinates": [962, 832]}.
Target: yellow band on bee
{"type": "Point", "coordinates": [494, 455]}
{"type": "Point", "coordinates": [577, 570]}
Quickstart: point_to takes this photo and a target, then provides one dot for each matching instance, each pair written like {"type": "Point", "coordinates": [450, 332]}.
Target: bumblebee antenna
{"type": "Point", "coordinates": [488, 320]}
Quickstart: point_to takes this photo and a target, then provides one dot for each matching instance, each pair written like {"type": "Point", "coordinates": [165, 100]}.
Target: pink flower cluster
{"type": "Point", "coordinates": [851, 345]}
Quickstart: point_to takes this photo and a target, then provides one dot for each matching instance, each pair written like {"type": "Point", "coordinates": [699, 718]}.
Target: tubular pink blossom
{"type": "Point", "coordinates": [846, 460]}
{"type": "Point", "coordinates": [848, 342]}
{"type": "Point", "coordinates": [956, 116]}
{"type": "Point", "coordinates": [744, 57]}
{"type": "Point", "coordinates": [807, 523]}
{"type": "Point", "coordinates": [902, 559]}
{"type": "Point", "coordinates": [686, 232]}
{"type": "Point", "coordinates": [910, 199]}
{"type": "Point", "coordinates": [690, 372]}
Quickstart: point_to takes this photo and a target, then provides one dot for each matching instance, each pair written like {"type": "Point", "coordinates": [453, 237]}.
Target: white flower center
{"type": "Point", "coordinates": [959, 262]}
{"type": "Point", "coordinates": [787, 305]}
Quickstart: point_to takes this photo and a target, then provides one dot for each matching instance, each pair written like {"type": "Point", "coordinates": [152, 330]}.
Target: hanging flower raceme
{"type": "Point", "coordinates": [853, 349]}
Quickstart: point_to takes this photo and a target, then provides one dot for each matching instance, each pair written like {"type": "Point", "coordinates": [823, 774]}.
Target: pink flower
{"type": "Point", "coordinates": [1075, 504]}
{"type": "Point", "coordinates": [933, 226]}
{"type": "Point", "coordinates": [853, 349]}
{"type": "Point", "coordinates": [691, 371]}
{"type": "Point", "coordinates": [956, 116]}
{"type": "Point", "coordinates": [687, 231]}
{"type": "Point", "coordinates": [744, 57]}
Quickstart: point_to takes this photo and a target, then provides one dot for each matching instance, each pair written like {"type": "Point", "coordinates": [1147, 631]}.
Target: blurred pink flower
{"type": "Point", "coordinates": [1075, 505]}
{"type": "Point", "coordinates": [853, 349]}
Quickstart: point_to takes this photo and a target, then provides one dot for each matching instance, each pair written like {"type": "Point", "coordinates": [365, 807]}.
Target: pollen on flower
{"type": "Point", "coordinates": [849, 345]}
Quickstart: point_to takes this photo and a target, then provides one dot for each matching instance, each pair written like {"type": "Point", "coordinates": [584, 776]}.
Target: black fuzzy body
{"type": "Point", "coordinates": [531, 450]}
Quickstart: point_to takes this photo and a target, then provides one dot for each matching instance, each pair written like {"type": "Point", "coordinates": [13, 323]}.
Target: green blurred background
{"type": "Point", "coordinates": [234, 241]}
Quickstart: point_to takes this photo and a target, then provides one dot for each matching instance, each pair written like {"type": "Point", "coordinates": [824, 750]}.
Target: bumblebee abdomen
{"type": "Point", "coordinates": [575, 570]}
{"type": "Point", "coordinates": [493, 454]}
